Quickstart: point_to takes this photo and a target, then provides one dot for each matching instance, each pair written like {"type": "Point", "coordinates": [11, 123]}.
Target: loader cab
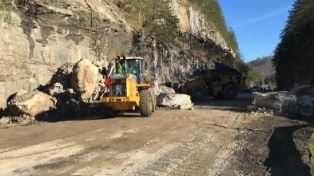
{"type": "Point", "coordinates": [133, 66]}
{"type": "Point", "coordinates": [127, 90]}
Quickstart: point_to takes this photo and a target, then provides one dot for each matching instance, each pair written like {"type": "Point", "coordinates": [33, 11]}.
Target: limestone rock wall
{"type": "Point", "coordinates": [192, 20]}
{"type": "Point", "coordinates": [45, 34]}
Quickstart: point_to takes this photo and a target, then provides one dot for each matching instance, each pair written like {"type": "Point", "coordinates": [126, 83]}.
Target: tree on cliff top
{"type": "Point", "coordinates": [294, 56]}
{"type": "Point", "coordinates": [156, 17]}
{"type": "Point", "coordinates": [214, 15]}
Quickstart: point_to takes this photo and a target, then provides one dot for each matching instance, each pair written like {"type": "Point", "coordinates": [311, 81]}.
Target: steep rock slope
{"type": "Point", "coordinates": [193, 21]}
{"type": "Point", "coordinates": [41, 35]}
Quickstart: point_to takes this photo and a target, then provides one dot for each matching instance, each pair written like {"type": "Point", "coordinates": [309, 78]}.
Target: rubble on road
{"type": "Point", "coordinates": [281, 102]}
{"type": "Point", "coordinates": [306, 106]}
{"type": "Point", "coordinates": [70, 93]}
{"type": "Point", "coordinates": [31, 103]}
{"type": "Point", "coordinates": [175, 101]}
{"type": "Point", "coordinates": [8, 121]}
{"type": "Point", "coordinates": [160, 89]}
{"type": "Point", "coordinates": [166, 90]}
{"type": "Point", "coordinates": [85, 80]}
{"type": "Point", "coordinates": [167, 97]}
{"type": "Point", "coordinates": [71, 86]}
{"type": "Point", "coordinates": [5, 120]}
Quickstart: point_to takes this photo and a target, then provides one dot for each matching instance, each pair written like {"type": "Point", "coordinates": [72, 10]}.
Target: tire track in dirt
{"type": "Point", "coordinates": [170, 161]}
{"type": "Point", "coordinates": [204, 155]}
{"type": "Point", "coordinates": [21, 161]}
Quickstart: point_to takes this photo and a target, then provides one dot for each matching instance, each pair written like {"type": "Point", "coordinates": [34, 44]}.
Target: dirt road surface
{"type": "Point", "coordinates": [214, 139]}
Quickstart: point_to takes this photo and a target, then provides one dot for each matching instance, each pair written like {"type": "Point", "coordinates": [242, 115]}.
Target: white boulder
{"type": "Point", "coordinates": [160, 89]}
{"type": "Point", "coordinates": [85, 80]}
{"type": "Point", "coordinates": [175, 101]}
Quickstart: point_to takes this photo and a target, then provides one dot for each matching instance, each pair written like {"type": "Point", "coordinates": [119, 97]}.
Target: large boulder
{"type": "Point", "coordinates": [85, 80]}
{"type": "Point", "coordinates": [306, 106]}
{"type": "Point", "coordinates": [279, 101]}
{"type": "Point", "coordinates": [31, 103]}
{"type": "Point", "coordinates": [175, 101]}
{"type": "Point", "coordinates": [167, 90]}
{"type": "Point", "coordinates": [160, 89]}
{"type": "Point", "coordinates": [63, 76]}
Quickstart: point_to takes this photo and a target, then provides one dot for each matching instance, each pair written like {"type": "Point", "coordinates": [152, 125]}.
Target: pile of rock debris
{"type": "Point", "coordinates": [284, 103]}
{"type": "Point", "coordinates": [70, 85]}
{"type": "Point", "coordinates": [71, 93]}
{"type": "Point", "coordinates": [167, 97]}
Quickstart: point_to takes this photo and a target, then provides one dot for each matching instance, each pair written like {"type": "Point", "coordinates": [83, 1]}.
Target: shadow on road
{"type": "Point", "coordinates": [84, 112]}
{"type": "Point", "coordinates": [284, 158]}
{"type": "Point", "coordinates": [234, 105]}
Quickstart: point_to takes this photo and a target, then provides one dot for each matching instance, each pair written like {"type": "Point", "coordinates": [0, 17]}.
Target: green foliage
{"type": "Point", "coordinates": [254, 76]}
{"type": "Point", "coordinates": [242, 67]}
{"type": "Point", "coordinates": [214, 15]}
{"type": "Point", "coordinates": [5, 10]}
{"type": "Point", "coordinates": [156, 17]}
{"type": "Point", "coordinates": [294, 56]}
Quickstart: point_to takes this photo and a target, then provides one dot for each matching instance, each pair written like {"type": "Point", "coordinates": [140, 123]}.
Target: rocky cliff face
{"type": "Point", "coordinates": [193, 21]}
{"type": "Point", "coordinates": [44, 34]}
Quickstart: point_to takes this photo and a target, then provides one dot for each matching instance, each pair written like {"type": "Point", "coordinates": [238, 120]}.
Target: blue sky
{"type": "Point", "coordinates": [257, 24]}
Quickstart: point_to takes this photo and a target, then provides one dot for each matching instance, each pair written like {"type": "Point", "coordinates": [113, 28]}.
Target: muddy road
{"type": "Point", "coordinates": [216, 138]}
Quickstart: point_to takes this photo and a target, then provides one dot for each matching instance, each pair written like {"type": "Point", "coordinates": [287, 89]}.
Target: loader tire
{"type": "Point", "coordinates": [146, 105]}
{"type": "Point", "coordinates": [154, 100]}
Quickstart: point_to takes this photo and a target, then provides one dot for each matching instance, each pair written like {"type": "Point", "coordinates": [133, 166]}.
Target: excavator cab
{"type": "Point", "coordinates": [127, 90]}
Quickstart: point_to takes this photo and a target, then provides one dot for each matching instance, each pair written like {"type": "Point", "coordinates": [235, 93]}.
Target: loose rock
{"type": "Point", "coordinates": [31, 103]}
{"type": "Point", "coordinates": [159, 89]}
{"type": "Point", "coordinates": [306, 106]}
{"type": "Point", "coordinates": [175, 101]}
{"type": "Point", "coordinates": [8, 121]}
{"type": "Point", "coordinates": [85, 80]}
{"type": "Point", "coordinates": [281, 102]}
{"type": "Point", "coordinates": [4, 120]}
{"type": "Point", "coordinates": [63, 75]}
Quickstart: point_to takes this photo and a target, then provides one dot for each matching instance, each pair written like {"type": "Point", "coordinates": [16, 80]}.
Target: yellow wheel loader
{"type": "Point", "coordinates": [127, 90]}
